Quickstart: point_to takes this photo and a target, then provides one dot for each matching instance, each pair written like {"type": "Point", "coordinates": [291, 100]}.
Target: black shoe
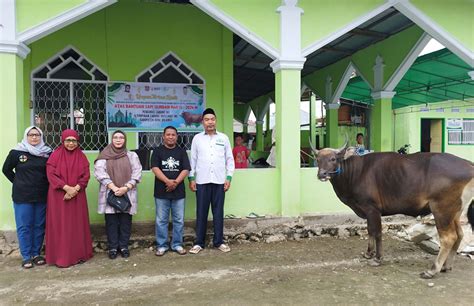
{"type": "Point", "coordinates": [125, 253]}
{"type": "Point", "coordinates": [112, 254]}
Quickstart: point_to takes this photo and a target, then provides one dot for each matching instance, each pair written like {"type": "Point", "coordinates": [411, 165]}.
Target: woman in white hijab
{"type": "Point", "coordinates": [25, 167]}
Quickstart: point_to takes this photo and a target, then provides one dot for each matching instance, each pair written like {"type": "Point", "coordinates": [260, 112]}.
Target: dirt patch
{"type": "Point", "coordinates": [322, 270]}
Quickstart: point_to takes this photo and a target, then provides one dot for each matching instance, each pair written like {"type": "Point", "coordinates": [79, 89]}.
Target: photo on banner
{"type": "Point", "coordinates": [153, 106]}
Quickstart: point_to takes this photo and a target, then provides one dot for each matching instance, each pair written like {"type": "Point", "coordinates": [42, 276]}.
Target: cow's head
{"type": "Point", "coordinates": [329, 161]}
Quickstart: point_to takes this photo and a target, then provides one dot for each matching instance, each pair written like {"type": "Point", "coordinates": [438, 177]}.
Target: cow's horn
{"type": "Point", "coordinates": [345, 146]}
{"type": "Point", "coordinates": [313, 148]}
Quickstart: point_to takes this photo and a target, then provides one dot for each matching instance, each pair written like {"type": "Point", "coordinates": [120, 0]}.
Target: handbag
{"type": "Point", "coordinates": [121, 204]}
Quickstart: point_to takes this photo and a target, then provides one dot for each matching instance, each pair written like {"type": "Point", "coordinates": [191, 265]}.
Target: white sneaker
{"type": "Point", "coordinates": [195, 249]}
{"type": "Point", "coordinates": [224, 248]}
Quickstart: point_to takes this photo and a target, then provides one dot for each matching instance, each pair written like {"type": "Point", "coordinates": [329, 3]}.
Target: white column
{"type": "Point", "coordinates": [290, 30]}
{"type": "Point", "coordinates": [8, 41]}
{"type": "Point", "coordinates": [287, 71]}
{"type": "Point", "coordinates": [378, 73]}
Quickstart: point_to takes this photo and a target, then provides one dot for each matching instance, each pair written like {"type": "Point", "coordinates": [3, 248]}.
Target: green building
{"type": "Point", "coordinates": [57, 58]}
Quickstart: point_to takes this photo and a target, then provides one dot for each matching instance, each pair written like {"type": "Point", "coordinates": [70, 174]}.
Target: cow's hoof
{"type": "Point", "coordinates": [374, 262]}
{"type": "Point", "coordinates": [444, 269]}
{"type": "Point", "coordinates": [367, 255]}
{"type": "Point", "coordinates": [426, 275]}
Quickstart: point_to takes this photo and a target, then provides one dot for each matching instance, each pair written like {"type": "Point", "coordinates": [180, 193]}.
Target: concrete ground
{"type": "Point", "coordinates": [312, 271]}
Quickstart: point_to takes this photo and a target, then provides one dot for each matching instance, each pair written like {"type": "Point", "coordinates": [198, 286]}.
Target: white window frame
{"type": "Point", "coordinates": [462, 132]}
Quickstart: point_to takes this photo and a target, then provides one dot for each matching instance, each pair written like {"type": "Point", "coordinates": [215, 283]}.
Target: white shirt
{"type": "Point", "coordinates": [211, 158]}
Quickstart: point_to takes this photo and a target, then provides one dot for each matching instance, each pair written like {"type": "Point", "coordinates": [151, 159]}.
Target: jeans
{"type": "Point", "coordinates": [214, 195]}
{"type": "Point", "coordinates": [119, 229]}
{"type": "Point", "coordinates": [163, 207]}
{"type": "Point", "coordinates": [30, 221]}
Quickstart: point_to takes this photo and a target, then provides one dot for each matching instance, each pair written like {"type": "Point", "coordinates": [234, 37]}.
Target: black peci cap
{"type": "Point", "coordinates": [208, 111]}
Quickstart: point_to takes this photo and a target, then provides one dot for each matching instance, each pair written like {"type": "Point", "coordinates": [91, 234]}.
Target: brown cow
{"type": "Point", "coordinates": [190, 118]}
{"type": "Point", "coordinates": [382, 184]}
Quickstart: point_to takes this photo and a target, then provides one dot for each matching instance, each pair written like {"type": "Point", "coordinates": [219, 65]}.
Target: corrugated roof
{"type": "Point", "coordinates": [434, 77]}
{"type": "Point", "coordinates": [254, 77]}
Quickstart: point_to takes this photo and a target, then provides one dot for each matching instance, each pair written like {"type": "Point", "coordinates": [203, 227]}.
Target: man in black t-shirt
{"type": "Point", "coordinates": [170, 164]}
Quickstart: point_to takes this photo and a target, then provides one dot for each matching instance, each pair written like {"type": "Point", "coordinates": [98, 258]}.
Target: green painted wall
{"type": "Point", "coordinates": [318, 197]}
{"type": "Point", "coordinates": [11, 122]}
{"type": "Point", "coordinates": [381, 122]}
{"type": "Point", "coordinates": [350, 132]}
{"type": "Point", "coordinates": [30, 13]}
{"type": "Point", "coordinates": [454, 16]}
{"type": "Point", "coordinates": [266, 26]}
{"type": "Point", "coordinates": [287, 102]}
{"type": "Point", "coordinates": [227, 79]}
{"type": "Point", "coordinates": [244, 197]}
{"type": "Point", "coordinates": [393, 51]}
{"type": "Point", "coordinates": [407, 122]}
{"type": "Point", "coordinates": [322, 18]}
{"type": "Point", "coordinates": [258, 104]}
{"type": "Point", "coordinates": [317, 80]}
{"type": "Point", "coordinates": [332, 135]}
{"type": "Point", "coordinates": [253, 190]}
{"type": "Point", "coordinates": [240, 110]}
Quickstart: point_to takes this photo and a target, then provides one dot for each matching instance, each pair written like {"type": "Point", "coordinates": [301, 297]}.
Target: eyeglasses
{"type": "Point", "coordinates": [33, 135]}
{"type": "Point", "coordinates": [70, 140]}
{"type": "Point", "coordinates": [118, 137]}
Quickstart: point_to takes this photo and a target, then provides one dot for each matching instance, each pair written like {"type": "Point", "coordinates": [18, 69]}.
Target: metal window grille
{"type": "Point", "coordinates": [52, 109]}
{"type": "Point", "coordinates": [454, 137]}
{"type": "Point", "coordinates": [464, 136]}
{"type": "Point", "coordinates": [168, 69]}
{"type": "Point", "coordinates": [69, 91]}
{"type": "Point", "coordinates": [468, 131]}
{"type": "Point", "coordinates": [150, 140]}
{"type": "Point", "coordinates": [89, 114]}
{"type": "Point", "coordinates": [76, 105]}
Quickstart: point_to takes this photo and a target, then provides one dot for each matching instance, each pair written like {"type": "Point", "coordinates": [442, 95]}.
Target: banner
{"type": "Point", "coordinates": [153, 106]}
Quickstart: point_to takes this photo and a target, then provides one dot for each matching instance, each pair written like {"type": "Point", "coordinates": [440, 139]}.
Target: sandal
{"type": "Point", "coordinates": [160, 252]}
{"type": "Point", "coordinates": [253, 215]}
{"type": "Point", "coordinates": [27, 264]}
{"type": "Point", "coordinates": [195, 249]}
{"type": "Point", "coordinates": [180, 251]}
{"type": "Point", "coordinates": [231, 216]}
{"type": "Point", "coordinates": [39, 260]}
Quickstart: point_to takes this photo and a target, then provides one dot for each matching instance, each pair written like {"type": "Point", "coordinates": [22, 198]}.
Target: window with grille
{"type": "Point", "coordinates": [69, 91]}
{"type": "Point", "coordinates": [464, 135]}
{"type": "Point", "coordinates": [150, 140]}
{"type": "Point", "coordinates": [168, 69]}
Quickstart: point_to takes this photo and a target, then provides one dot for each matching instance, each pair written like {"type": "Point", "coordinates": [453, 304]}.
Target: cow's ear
{"type": "Point", "coordinates": [351, 151]}
{"type": "Point", "coordinates": [341, 153]}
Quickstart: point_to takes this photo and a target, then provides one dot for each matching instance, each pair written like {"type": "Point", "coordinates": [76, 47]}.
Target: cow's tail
{"type": "Point", "coordinates": [470, 214]}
